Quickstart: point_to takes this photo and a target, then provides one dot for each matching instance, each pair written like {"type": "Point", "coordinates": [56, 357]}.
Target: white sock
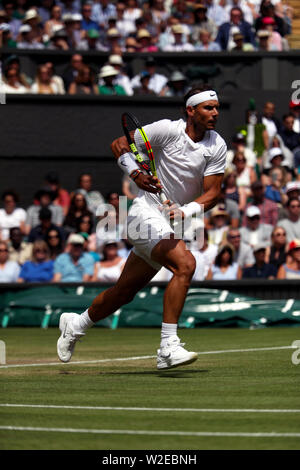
{"type": "Point", "coordinates": [82, 322]}
{"type": "Point", "coordinates": [167, 330]}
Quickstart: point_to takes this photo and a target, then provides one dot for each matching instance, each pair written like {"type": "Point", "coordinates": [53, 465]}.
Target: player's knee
{"type": "Point", "coordinates": [125, 294]}
{"type": "Point", "coordinates": [187, 267]}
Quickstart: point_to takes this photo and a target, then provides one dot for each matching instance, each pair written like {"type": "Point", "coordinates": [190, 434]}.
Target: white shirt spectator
{"type": "Point", "coordinates": [7, 221]}
{"type": "Point", "coordinates": [156, 83]}
{"type": "Point", "coordinates": [10, 272]}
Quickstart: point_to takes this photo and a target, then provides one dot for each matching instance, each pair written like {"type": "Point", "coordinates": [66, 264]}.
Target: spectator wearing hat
{"type": "Point", "coordinates": [33, 19]}
{"type": "Point", "coordinates": [87, 21]}
{"type": "Point", "coordinates": [75, 265]}
{"type": "Point", "coordinates": [179, 44]}
{"type": "Point", "coordinates": [6, 39]}
{"type": "Point", "coordinates": [144, 88]}
{"type": "Point", "coordinates": [205, 42]}
{"type": "Point", "coordinates": [122, 79]}
{"type": "Point", "coordinates": [157, 80]}
{"type": "Point", "coordinates": [291, 269]}
{"type": "Point", "coordinates": [219, 223]}
{"type": "Point", "coordinates": [84, 82]}
{"type": "Point", "coordinates": [176, 86]}
{"type": "Point", "coordinates": [243, 253]}
{"type": "Point", "coordinates": [275, 160]}
{"type": "Point", "coordinates": [236, 23]}
{"type": "Point", "coordinates": [59, 39]}
{"type": "Point", "coordinates": [240, 45]}
{"type": "Point", "coordinates": [72, 38]}
{"type": "Point", "coordinates": [262, 39]}
{"type": "Point", "coordinates": [111, 265]}
{"type": "Point", "coordinates": [102, 11]}
{"type": "Point", "coordinates": [39, 231]}
{"type": "Point", "coordinates": [40, 268]}
{"type": "Point", "coordinates": [27, 38]}
{"type": "Point", "coordinates": [291, 223]}
{"type": "Point", "coordinates": [108, 75]}
{"type": "Point", "coordinates": [202, 21]}
{"type": "Point", "coordinates": [267, 9]}
{"type": "Point", "coordinates": [43, 83]}
{"type": "Point", "coordinates": [113, 41]}
{"type": "Point", "coordinates": [276, 253]}
{"type": "Point", "coordinates": [54, 21]}
{"type": "Point", "coordinates": [9, 270]}
{"type": "Point", "coordinates": [255, 231]}
{"type": "Point", "coordinates": [224, 267]}
{"type": "Point", "coordinates": [290, 138]}
{"type": "Point", "coordinates": [11, 215]}
{"type": "Point", "coordinates": [61, 195]}
{"type": "Point", "coordinates": [43, 199]}
{"type": "Point", "coordinates": [145, 41]}
{"type": "Point", "coordinates": [92, 42]}
{"type": "Point", "coordinates": [294, 109]}
{"type": "Point", "coordinates": [260, 269]}
{"type": "Point", "coordinates": [275, 39]}
{"type": "Point", "coordinates": [268, 210]}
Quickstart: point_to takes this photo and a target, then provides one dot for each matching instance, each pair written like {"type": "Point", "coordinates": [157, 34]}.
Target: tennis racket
{"type": "Point", "coordinates": [130, 124]}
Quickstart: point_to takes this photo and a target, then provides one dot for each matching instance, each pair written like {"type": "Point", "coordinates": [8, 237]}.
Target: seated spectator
{"type": "Point", "coordinates": [262, 39]}
{"type": "Point", "coordinates": [157, 80]}
{"type": "Point", "coordinates": [44, 84]}
{"type": "Point", "coordinates": [267, 10]}
{"type": "Point", "coordinates": [18, 249]}
{"type": "Point", "coordinates": [243, 253]}
{"type": "Point", "coordinates": [28, 39]}
{"type": "Point", "coordinates": [122, 78]}
{"type": "Point", "coordinates": [145, 41]}
{"type": "Point", "coordinates": [219, 221]}
{"type": "Point", "coordinates": [205, 43]}
{"type": "Point", "coordinates": [276, 159]}
{"type": "Point", "coordinates": [292, 191]}
{"type": "Point", "coordinates": [61, 196]}
{"type": "Point", "coordinates": [269, 119]}
{"type": "Point", "coordinates": [84, 82]}
{"type": "Point", "coordinates": [236, 23]}
{"type": "Point", "coordinates": [12, 85]}
{"type": "Point", "coordinates": [55, 78]}
{"type": "Point", "coordinates": [179, 44]}
{"type": "Point", "coordinates": [102, 11]}
{"type": "Point", "coordinates": [247, 9]}
{"type": "Point", "coordinates": [123, 25]}
{"type": "Point", "coordinates": [54, 21]}
{"type": "Point", "coordinates": [111, 265]}
{"type": "Point", "coordinates": [276, 253]}
{"type": "Point", "coordinates": [144, 88]}
{"type": "Point", "coordinates": [216, 12]}
{"type": "Point", "coordinates": [290, 138]}
{"type": "Point", "coordinates": [202, 21]}
{"type": "Point", "coordinates": [73, 35]}
{"type": "Point", "coordinates": [9, 270]}
{"type": "Point", "coordinates": [87, 248]}
{"type": "Point", "coordinates": [91, 42]}
{"type": "Point", "coordinates": [275, 39]}
{"type": "Point", "coordinates": [132, 11]}
{"type": "Point", "coordinates": [86, 225]}
{"type": "Point", "coordinates": [291, 269]}
{"type": "Point", "coordinates": [6, 39]}
{"type": "Point", "coordinates": [245, 175]}
{"type": "Point", "coordinates": [238, 144]}
{"type": "Point", "coordinates": [13, 62]}
{"type": "Point", "coordinates": [224, 268]}
{"type": "Point", "coordinates": [268, 209]}
{"type": "Point", "coordinates": [255, 232]}
{"type": "Point", "coordinates": [113, 41]}
{"type": "Point", "coordinates": [131, 45]}
{"type": "Point", "coordinates": [260, 269]}
{"type": "Point", "coordinates": [240, 44]}
{"type": "Point", "coordinates": [75, 265]}
{"type": "Point", "coordinates": [292, 223]}
{"type": "Point", "coordinates": [159, 11]}
{"type": "Point", "coordinates": [87, 22]}
{"type": "Point", "coordinates": [59, 40]}
{"type": "Point", "coordinates": [85, 186]}
{"type": "Point", "coordinates": [11, 215]}
{"type": "Point", "coordinates": [40, 269]}
{"type": "Point", "coordinates": [34, 21]}
{"type": "Point", "coordinates": [43, 199]}
{"type": "Point", "coordinates": [71, 71]}
{"type": "Point", "coordinates": [39, 232]}
{"type": "Point", "coordinates": [294, 108]}
{"type": "Point", "coordinates": [233, 191]}
{"type": "Point", "coordinates": [55, 242]}
{"type": "Point", "coordinates": [78, 208]}
{"type": "Point", "coordinates": [108, 74]}
{"type": "Point", "coordinates": [205, 254]}
{"type": "Point", "coordinates": [176, 86]}
{"type": "Point", "coordinates": [275, 191]}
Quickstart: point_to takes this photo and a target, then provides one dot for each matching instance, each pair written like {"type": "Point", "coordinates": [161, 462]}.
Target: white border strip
{"type": "Point", "coordinates": [151, 433]}
{"type": "Point", "coordinates": [137, 358]}
{"type": "Point", "coordinates": [130, 408]}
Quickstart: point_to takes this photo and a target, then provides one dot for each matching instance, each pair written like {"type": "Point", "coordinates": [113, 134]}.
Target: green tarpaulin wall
{"type": "Point", "coordinates": [42, 306]}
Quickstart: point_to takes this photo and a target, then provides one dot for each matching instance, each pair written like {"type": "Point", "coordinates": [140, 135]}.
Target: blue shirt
{"type": "Point", "coordinates": [37, 272]}
{"type": "Point", "coordinates": [71, 272]}
{"type": "Point", "coordinates": [10, 272]}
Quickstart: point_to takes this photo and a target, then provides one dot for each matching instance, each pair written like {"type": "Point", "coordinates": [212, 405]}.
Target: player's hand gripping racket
{"type": "Point", "coordinates": [130, 124]}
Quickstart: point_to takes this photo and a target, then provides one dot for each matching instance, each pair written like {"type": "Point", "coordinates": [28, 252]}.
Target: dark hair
{"type": "Point", "coordinates": [91, 221]}
{"type": "Point", "coordinates": [55, 251]}
{"type": "Point", "coordinates": [193, 91]}
{"type": "Point", "coordinates": [285, 116]}
{"type": "Point", "coordinates": [45, 214]}
{"type": "Point", "coordinates": [10, 192]}
{"type": "Point", "coordinates": [224, 249]}
{"type": "Point", "coordinates": [291, 200]}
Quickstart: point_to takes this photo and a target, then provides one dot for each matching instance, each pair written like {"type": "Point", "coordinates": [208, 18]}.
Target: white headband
{"type": "Point", "coordinates": [200, 97]}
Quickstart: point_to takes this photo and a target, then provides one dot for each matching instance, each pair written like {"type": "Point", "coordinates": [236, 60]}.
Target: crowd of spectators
{"type": "Point", "coordinates": [253, 231]}
{"type": "Point", "coordinates": [131, 26]}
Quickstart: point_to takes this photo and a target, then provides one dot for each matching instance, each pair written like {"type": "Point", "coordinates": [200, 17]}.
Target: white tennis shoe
{"type": "Point", "coordinates": [174, 354]}
{"type": "Point", "coordinates": [67, 340]}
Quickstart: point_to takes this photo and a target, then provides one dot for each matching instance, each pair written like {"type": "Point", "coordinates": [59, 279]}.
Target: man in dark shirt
{"type": "Point", "coordinates": [260, 269]}
{"type": "Point", "coordinates": [290, 138]}
{"type": "Point", "coordinates": [40, 231]}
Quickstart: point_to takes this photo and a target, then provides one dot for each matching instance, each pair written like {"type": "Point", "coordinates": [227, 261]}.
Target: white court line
{"type": "Point", "coordinates": [151, 433]}
{"type": "Point", "coordinates": [136, 358]}
{"type": "Point", "coordinates": [130, 408]}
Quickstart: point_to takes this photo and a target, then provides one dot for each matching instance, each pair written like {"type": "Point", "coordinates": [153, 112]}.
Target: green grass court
{"type": "Point", "coordinates": [242, 393]}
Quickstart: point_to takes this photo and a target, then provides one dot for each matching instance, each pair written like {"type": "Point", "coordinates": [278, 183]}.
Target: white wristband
{"type": "Point", "coordinates": [128, 163]}
{"type": "Point", "coordinates": [193, 208]}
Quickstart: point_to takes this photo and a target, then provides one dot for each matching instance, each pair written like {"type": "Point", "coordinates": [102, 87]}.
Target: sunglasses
{"type": "Point", "coordinates": [4, 251]}
{"type": "Point", "coordinates": [40, 251]}
{"type": "Point", "coordinates": [280, 234]}
{"type": "Point", "coordinates": [53, 236]}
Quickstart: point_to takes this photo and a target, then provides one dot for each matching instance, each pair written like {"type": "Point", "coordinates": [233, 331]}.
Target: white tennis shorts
{"type": "Point", "coordinates": [146, 226]}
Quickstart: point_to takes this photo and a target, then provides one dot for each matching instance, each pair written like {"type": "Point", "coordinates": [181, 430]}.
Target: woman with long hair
{"type": "Point", "coordinates": [224, 268]}
{"type": "Point", "coordinates": [276, 253]}
{"type": "Point", "coordinates": [110, 267]}
{"type": "Point", "coordinates": [44, 84]}
{"type": "Point", "coordinates": [78, 208]}
{"type": "Point", "coordinates": [55, 242]}
{"type": "Point", "coordinates": [84, 83]}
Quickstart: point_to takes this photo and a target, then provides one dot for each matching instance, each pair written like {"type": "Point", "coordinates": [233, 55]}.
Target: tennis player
{"type": "Point", "coordinates": [190, 161]}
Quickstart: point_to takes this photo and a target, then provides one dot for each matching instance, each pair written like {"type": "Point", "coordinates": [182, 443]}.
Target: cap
{"type": "Point", "coordinates": [252, 211]}
{"type": "Point", "coordinates": [219, 210]}
{"type": "Point", "coordinates": [25, 28]}
{"type": "Point", "coordinates": [93, 34]}
{"type": "Point", "coordinates": [275, 152]}
{"type": "Point", "coordinates": [177, 29]}
{"type": "Point", "coordinates": [177, 76]}
{"type": "Point", "coordinates": [143, 33]}
{"type": "Point", "coordinates": [75, 239]}
{"type": "Point", "coordinates": [259, 246]}
{"type": "Point", "coordinates": [294, 244]}
{"type": "Point", "coordinates": [68, 18]}
{"type": "Point", "coordinates": [292, 186]}
{"type": "Point", "coordinates": [145, 74]}
{"type": "Point", "coordinates": [268, 20]}
{"type": "Point", "coordinates": [115, 59]}
{"type": "Point", "coordinates": [107, 71]}
{"type": "Point", "coordinates": [238, 36]}
{"type": "Point", "coordinates": [294, 104]}
{"type": "Point", "coordinates": [4, 27]}
{"type": "Point", "coordinates": [31, 14]}
{"type": "Point", "coordinates": [200, 6]}
{"type": "Point", "coordinates": [112, 33]}
{"type": "Point", "coordinates": [110, 242]}
{"type": "Point", "coordinates": [238, 137]}
{"type": "Point", "coordinates": [263, 33]}
{"type": "Point", "coordinates": [77, 16]}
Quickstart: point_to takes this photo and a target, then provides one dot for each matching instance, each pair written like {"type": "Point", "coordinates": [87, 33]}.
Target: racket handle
{"type": "Point", "coordinates": [163, 197]}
